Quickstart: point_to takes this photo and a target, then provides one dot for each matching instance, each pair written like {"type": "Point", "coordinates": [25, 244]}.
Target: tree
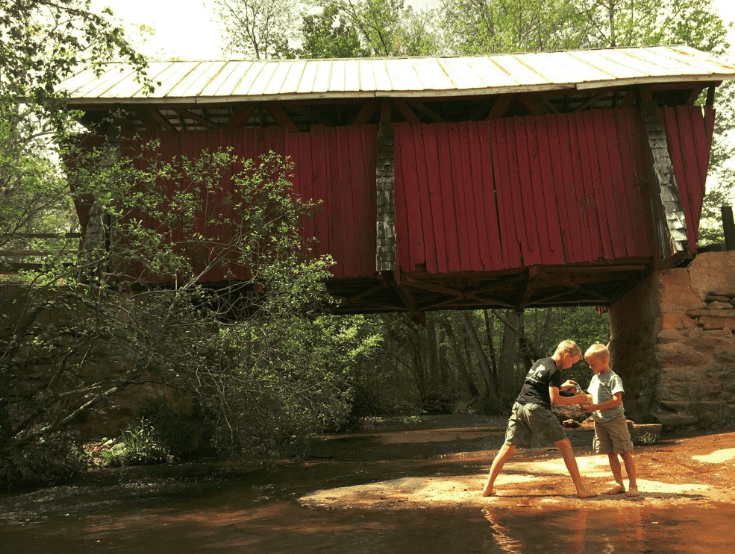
{"type": "Point", "coordinates": [255, 28]}
{"type": "Point", "coordinates": [325, 35]}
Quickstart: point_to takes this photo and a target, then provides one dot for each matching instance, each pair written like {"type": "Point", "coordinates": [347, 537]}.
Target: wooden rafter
{"type": "Point", "coordinates": [199, 119]}
{"type": "Point", "coordinates": [281, 117]}
{"type": "Point", "coordinates": [500, 106]}
{"type": "Point", "coordinates": [404, 108]}
{"type": "Point", "coordinates": [365, 113]}
{"type": "Point", "coordinates": [428, 112]}
{"type": "Point", "coordinates": [531, 104]}
{"type": "Point", "coordinates": [240, 116]}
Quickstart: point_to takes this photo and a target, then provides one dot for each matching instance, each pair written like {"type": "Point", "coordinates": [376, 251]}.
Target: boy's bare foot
{"type": "Point", "coordinates": [584, 493]}
{"type": "Point", "coordinates": [487, 492]}
{"type": "Point", "coordinates": [633, 491]}
{"type": "Point", "coordinates": [617, 489]}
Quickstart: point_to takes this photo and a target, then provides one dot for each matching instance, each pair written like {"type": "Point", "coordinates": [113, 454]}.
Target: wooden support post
{"type": "Point", "coordinates": [240, 116]}
{"type": "Point", "coordinates": [385, 220]}
{"type": "Point", "coordinates": [728, 225]}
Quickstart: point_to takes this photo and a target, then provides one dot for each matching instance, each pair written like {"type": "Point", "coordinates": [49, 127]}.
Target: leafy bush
{"type": "Point", "coordinates": [140, 444]}
{"type": "Point", "coordinates": [51, 461]}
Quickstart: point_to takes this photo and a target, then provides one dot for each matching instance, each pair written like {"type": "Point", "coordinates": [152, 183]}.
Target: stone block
{"type": "Point", "coordinates": [675, 292]}
{"type": "Point", "coordinates": [678, 354]}
{"type": "Point", "coordinates": [712, 272]}
{"type": "Point", "coordinates": [670, 335]}
{"type": "Point", "coordinates": [671, 419]}
{"type": "Point", "coordinates": [718, 305]}
{"type": "Point", "coordinates": [676, 320]}
{"type": "Point", "coordinates": [713, 323]}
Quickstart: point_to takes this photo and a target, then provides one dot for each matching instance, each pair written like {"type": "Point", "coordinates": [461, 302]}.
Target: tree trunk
{"type": "Point", "coordinates": [506, 369]}
{"type": "Point", "coordinates": [481, 358]}
{"type": "Point", "coordinates": [461, 364]}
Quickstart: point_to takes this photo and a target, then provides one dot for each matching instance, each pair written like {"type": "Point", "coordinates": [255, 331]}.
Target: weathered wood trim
{"type": "Point", "coordinates": [671, 235]}
{"type": "Point", "coordinates": [365, 113]}
{"type": "Point", "coordinates": [500, 106]}
{"type": "Point", "coordinates": [407, 112]}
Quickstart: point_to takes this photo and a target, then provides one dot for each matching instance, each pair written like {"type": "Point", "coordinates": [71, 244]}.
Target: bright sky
{"type": "Point", "coordinates": [185, 28]}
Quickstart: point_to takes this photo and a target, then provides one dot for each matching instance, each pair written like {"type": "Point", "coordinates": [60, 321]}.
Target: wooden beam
{"type": "Point", "coordinates": [240, 116]}
{"type": "Point", "coordinates": [162, 121]}
{"type": "Point", "coordinates": [431, 114]}
{"type": "Point", "coordinates": [365, 113]}
{"type": "Point", "coordinates": [728, 226]}
{"type": "Point", "coordinates": [591, 101]}
{"type": "Point", "coordinates": [280, 115]}
{"type": "Point", "coordinates": [696, 91]}
{"type": "Point", "coordinates": [711, 95]}
{"type": "Point", "coordinates": [500, 106]}
{"type": "Point", "coordinates": [199, 119]}
{"type": "Point", "coordinates": [385, 109]}
{"type": "Point", "coordinates": [528, 289]}
{"type": "Point", "coordinates": [531, 104]}
{"type": "Point", "coordinates": [407, 112]}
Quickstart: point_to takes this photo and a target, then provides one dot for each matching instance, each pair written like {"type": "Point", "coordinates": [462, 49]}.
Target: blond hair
{"type": "Point", "coordinates": [598, 351]}
{"type": "Point", "coordinates": [569, 347]}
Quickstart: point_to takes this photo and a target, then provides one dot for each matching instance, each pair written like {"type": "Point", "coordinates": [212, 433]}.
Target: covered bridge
{"type": "Point", "coordinates": [512, 181]}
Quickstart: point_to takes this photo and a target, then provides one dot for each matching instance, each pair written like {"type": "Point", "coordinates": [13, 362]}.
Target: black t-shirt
{"type": "Point", "coordinates": [542, 375]}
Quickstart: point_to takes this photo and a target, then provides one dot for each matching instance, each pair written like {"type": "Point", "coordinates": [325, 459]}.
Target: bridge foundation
{"type": "Point", "coordinates": [673, 343]}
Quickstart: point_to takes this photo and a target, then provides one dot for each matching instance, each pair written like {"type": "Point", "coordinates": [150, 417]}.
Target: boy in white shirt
{"type": "Point", "coordinates": [611, 428]}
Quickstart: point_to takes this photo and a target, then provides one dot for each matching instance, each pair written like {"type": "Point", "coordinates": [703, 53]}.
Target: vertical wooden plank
{"type": "Point", "coordinates": [560, 160]}
{"type": "Point", "coordinates": [574, 171]}
{"type": "Point", "coordinates": [509, 241]}
{"type": "Point", "coordinates": [363, 218]}
{"type": "Point", "coordinates": [608, 208]}
{"type": "Point", "coordinates": [480, 202]}
{"type": "Point", "coordinates": [696, 164]}
{"type": "Point", "coordinates": [529, 220]}
{"type": "Point", "coordinates": [455, 246]}
{"type": "Point", "coordinates": [336, 228]}
{"type": "Point", "coordinates": [351, 252]}
{"type": "Point", "coordinates": [471, 207]}
{"type": "Point", "coordinates": [427, 227]}
{"type": "Point", "coordinates": [634, 232]}
{"type": "Point", "coordinates": [453, 158]}
{"type": "Point", "coordinates": [431, 164]}
{"type": "Point", "coordinates": [553, 205]}
{"type": "Point", "coordinates": [320, 177]}
{"type": "Point", "coordinates": [366, 135]}
{"type": "Point", "coordinates": [403, 258]}
{"type": "Point", "coordinates": [407, 161]}
{"type": "Point", "coordinates": [701, 142]}
{"type": "Point", "coordinates": [588, 199]}
{"type": "Point", "coordinates": [492, 220]}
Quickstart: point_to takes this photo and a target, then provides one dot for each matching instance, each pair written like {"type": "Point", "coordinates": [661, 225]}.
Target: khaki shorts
{"type": "Point", "coordinates": [531, 420]}
{"type": "Point", "coordinates": [612, 437]}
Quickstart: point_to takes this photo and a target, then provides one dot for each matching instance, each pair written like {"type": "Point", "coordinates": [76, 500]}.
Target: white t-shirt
{"type": "Point", "coordinates": [603, 388]}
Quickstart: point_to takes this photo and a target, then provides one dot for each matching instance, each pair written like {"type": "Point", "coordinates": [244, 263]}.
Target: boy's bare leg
{"type": "Point", "coordinates": [505, 452]}
{"type": "Point", "coordinates": [617, 474]}
{"type": "Point", "coordinates": [565, 447]}
{"type": "Point", "coordinates": [630, 469]}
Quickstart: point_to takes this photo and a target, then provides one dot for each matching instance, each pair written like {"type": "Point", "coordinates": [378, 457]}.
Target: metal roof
{"type": "Point", "coordinates": [265, 80]}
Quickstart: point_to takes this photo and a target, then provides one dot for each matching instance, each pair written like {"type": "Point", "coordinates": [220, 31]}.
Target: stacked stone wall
{"type": "Point", "coordinates": [673, 343]}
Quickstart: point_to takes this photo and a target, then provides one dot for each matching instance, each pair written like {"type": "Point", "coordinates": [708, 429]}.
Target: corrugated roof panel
{"type": "Point", "coordinates": [432, 74]}
{"type": "Point", "coordinates": [108, 81]}
{"type": "Point", "coordinates": [292, 82]}
{"type": "Point", "coordinates": [278, 79]}
{"type": "Point", "coordinates": [323, 76]}
{"type": "Point", "coordinates": [555, 69]}
{"type": "Point", "coordinates": [244, 83]}
{"type": "Point", "coordinates": [382, 81]}
{"type": "Point", "coordinates": [214, 80]}
{"type": "Point", "coordinates": [493, 74]}
{"type": "Point", "coordinates": [337, 78]}
{"type": "Point", "coordinates": [352, 75]}
{"type": "Point", "coordinates": [195, 81]}
{"type": "Point", "coordinates": [522, 74]}
{"type": "Point", "coordinates": [220, 78]}
{"type": "Point", "coordinates": [306, 85]}
{"type": "Point", "coordinates": [367, 77]}
{"type": "Point", "coordinates": [261, 81]}
{"type": "Point", "coordinates": [402, 75]}
{"type": "Point", "coordinates": [131, 88]}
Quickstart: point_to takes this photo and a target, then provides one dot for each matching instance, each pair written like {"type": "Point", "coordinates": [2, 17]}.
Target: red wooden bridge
{"type": "Point", "coordinates": [460, 182]}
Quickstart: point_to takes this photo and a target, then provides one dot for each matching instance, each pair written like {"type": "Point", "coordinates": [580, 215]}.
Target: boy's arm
{"type": "Point", "coordinates": [560, 400]}
{"type": "Point", "coordinates": [614, 402]}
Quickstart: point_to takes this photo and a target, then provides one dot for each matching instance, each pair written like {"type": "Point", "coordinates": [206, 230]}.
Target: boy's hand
{"type": "Point", "coordinates": [590, 408]}
{"type": "Point", "coordinates": [568, 385]}
{"type": "Point", "coordinates": [581, 399]}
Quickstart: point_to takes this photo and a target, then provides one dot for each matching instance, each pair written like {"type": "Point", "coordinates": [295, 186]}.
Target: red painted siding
{"type": "Point", "coordinates": [533, 190]}
{"type": "Point", "coordinates": [334, 165]}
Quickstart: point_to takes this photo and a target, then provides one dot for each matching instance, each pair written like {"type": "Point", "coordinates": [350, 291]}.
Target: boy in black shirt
{"type": "Point", "coordinates": [532, 414]}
